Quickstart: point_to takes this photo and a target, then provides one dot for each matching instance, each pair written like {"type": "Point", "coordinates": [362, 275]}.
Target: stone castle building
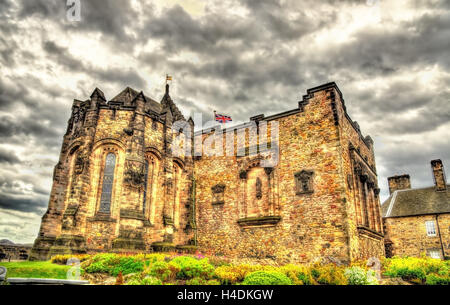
{"type": "Point", "coordinates": [417, 221]}
{"type": "Point", "coordinates": [118, 187]}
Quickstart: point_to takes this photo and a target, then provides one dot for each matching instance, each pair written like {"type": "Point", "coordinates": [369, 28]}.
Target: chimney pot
{"type": "Point", "coordinates": [438, 175]}
{"type": "Point", "coordinates": [401, 182]}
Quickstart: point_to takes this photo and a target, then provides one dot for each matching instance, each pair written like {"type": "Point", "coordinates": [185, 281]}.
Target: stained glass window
{"type": "Point", "coordinates": [108, 180]}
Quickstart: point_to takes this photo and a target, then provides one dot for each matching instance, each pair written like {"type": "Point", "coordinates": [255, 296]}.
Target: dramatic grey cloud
{"type": "Point", "coordinates": [240, 57]}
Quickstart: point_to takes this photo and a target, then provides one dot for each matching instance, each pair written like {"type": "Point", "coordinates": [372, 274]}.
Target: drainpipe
{"type": "Point", "coordinates": [440, 237]}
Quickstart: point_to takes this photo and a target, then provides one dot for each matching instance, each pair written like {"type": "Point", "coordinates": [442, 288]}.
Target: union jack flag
{"type": "Point", "coordinates": [222, 118]}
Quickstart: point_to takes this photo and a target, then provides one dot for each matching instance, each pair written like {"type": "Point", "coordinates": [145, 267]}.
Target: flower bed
{"type": "Point", "coordinates": [190, 269]}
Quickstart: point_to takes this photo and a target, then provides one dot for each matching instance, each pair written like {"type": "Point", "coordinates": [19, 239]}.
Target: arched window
{"type": "Point", "coordinates": [108, 180]}
{"type": "Point", "coordinates": [176, 192]}
{"type": "Point", "coordinates": [145, 187]}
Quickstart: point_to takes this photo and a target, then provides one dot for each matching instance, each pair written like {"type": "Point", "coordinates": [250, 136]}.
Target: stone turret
{"type": "Point", "coordinates": [133, 133]}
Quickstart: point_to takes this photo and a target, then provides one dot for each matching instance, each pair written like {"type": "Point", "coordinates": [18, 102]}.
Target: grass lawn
{"type": "Point", "coordinates": [36, 270]}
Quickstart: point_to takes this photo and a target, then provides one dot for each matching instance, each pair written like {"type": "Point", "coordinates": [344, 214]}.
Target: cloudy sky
{"type": "Point", "coordinates": [242, 57]}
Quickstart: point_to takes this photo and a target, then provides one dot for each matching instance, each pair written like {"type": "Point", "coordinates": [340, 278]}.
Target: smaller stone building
{"type": "Point", "coordinates": [10, 251]}
{"type": "Point", "coordinates": [417, 221]}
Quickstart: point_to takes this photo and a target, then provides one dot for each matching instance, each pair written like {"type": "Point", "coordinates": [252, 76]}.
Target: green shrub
{"type": "Point", "coordinates": [414, 268]}
{"type": "Point", "coordinates": [236, 273]}
{"type": "Point", "coordinates": [435, 279]}
{"type": "Point", "coordinates": [201, 281]}
{"type": "Point", "coordinates": [191, 267]}
{"type": "Point", "coordinates": [163, 270]}
{"type": "Point", "coordinates": [328, 274]}
{"type": "Point", "coordinates": [267, 278]}
{"type": "Point", "coordinates": [98, 267]}
{"type": "Point", "coordinates": [127, 265]}
{"type": "Point", "coordinates": [305, 278]}
{"type": "Point", "coordinates": [114, 264]}
{"type": "Point", "coordinates": [149, 280]}
{"type": "Point", "coordinates": [299, 275]}
{"type": "Point", "coordinates": [359, 276]}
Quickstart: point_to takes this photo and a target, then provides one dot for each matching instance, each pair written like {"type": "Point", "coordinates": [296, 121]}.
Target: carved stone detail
{"type": "Point", "coordinates": [80, 164]}
{"type": "Point", "coordinates": [134, 174]}
{"type": "Point", "coordinates": [258, 188]}
{"type": "Point", "coordinates": [218, 188]}
{"type": "Point", "coordinates": [218, 193]}
{"type": "Point", "coordinates": [304, 182]}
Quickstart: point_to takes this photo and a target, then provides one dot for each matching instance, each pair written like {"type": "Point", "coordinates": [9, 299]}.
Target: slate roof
{"type": "Point", "coordinates": [128, 95]}
{"type": "Point", "coordinates": [412, 202]}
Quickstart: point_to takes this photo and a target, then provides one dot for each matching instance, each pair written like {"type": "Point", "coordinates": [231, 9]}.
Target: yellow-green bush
{"type": "Point", "coordinates": [191, 267]}
{"type": "Point", "coordinates": [300, 275]}
{"type": "Point", "coordinates": [162, 270]}
{"type": "Point", "coordinates": [201, 281]}
{"type": "Point", "coordinates": [266, 278]}
{"type": "Point", "coordinates": [62, 259]}
{"type": "Point", "coordinates": [436, 279]}
{"type": "Point", "coordinates": [233, 274]}
{"type": "Point", "coordinates": [415, 268]}
{"type": "Point", "coordinates": [329, 274]}
{"type": "Point", "coordinates": [148, 280]}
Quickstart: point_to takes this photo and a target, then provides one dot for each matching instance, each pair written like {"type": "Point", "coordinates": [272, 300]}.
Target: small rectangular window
{"type": "Point", "coordinates": [431, 229]}
{"type": "Point", "coordinates": [434, 253]}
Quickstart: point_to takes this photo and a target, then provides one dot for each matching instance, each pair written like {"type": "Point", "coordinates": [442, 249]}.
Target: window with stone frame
{"type": "Point", "coordinates": [107, 184]}
{"type": "Point", "coordinates": [304, 182]}
{"type": "Point", "coordinates": [218, 193]}
{"type": "Point", "coordinates": [434, 253]}
{"type": "Point", "coordinates": [431, 228]}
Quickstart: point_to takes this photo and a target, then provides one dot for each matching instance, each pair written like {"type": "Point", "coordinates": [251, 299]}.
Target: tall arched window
{"type": "Point", "coordinates": [151, 186]}
{"type": "Point", "coordinates": [176, 192]}
{"type": "Point", "coordinates": [108, 180]}
{"type": "Point", "coordinates": [145, 187]}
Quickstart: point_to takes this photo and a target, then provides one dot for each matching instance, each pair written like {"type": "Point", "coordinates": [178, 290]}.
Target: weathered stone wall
{"type": "Point", "coordinates": [359, 181]}
{"type": "Point", "coordinates": [14, 252]}
{"type": "Point", "coordinates": [407, 236]}
{"type": "Point", "coordinates": [295, 227]}
{"type": "Point", "coordinates": [77, 222]}
{"type": "Point", "coordinates": [319, 200]}
{"type": "Point", "coordinates": [444, 227]}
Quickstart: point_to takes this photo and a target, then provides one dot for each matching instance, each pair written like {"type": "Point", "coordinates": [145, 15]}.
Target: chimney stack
{"type": "Point", "coordinates": [401, 182]}
{"type": "Point", "coordinates": [438, 175]}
